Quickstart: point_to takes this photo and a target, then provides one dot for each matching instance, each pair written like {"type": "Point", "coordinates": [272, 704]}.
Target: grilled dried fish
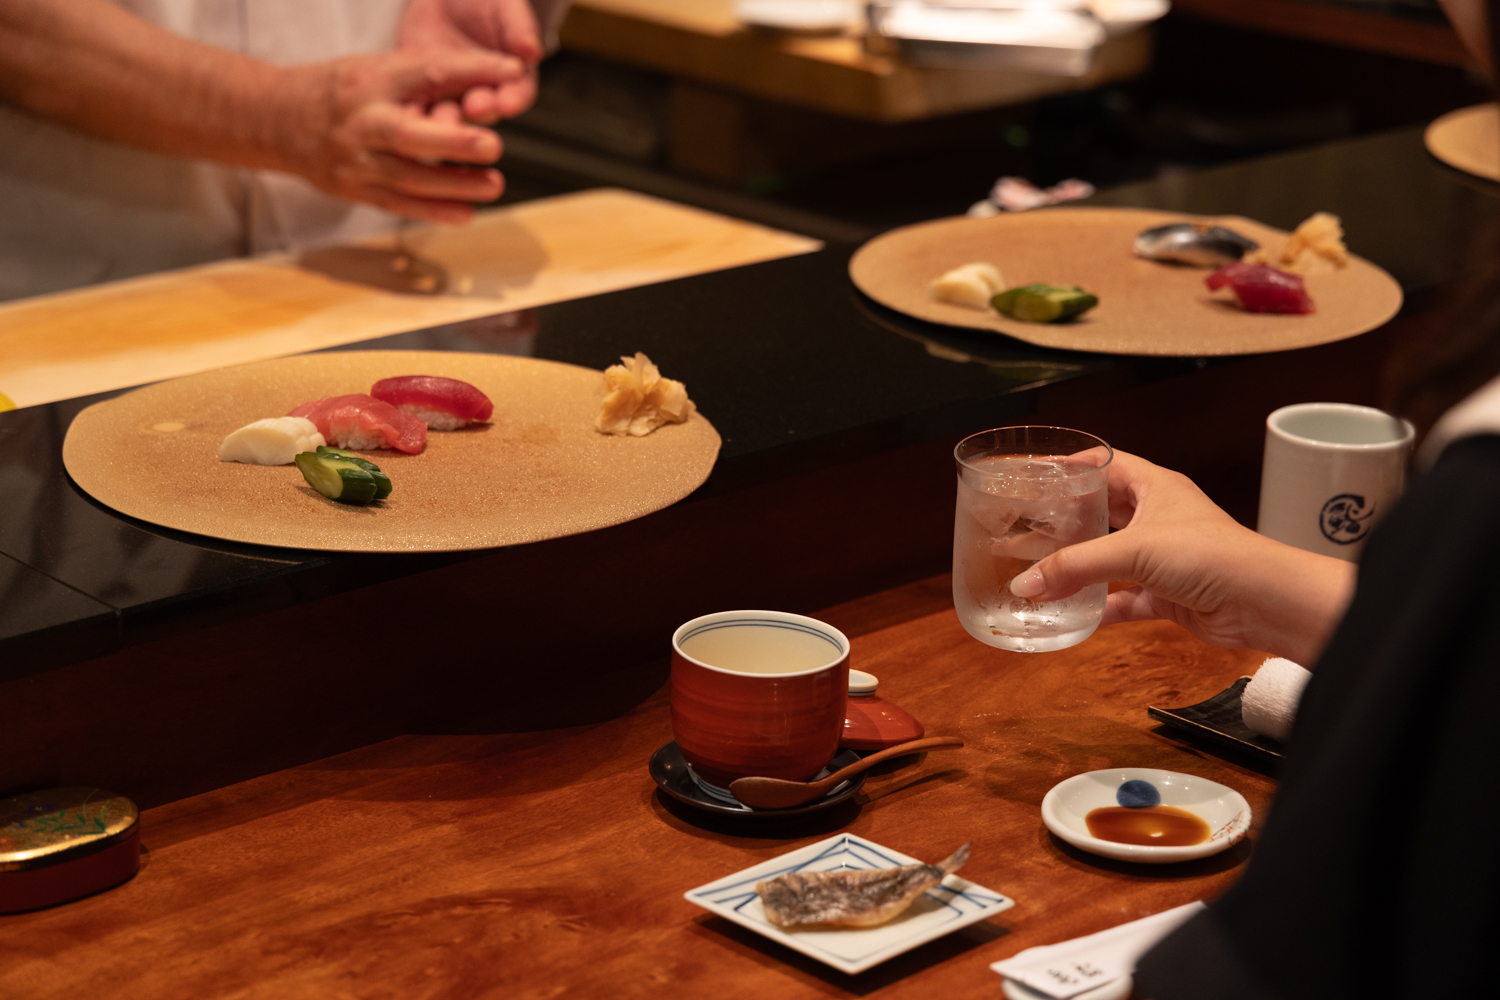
{"type": "Point", "coordinates": [851, 898]}
{"type": "Point", "coordinates": [1189, 243]}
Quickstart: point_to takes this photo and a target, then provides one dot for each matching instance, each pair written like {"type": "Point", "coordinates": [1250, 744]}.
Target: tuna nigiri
{"type": "Point", "coordinates": [1263, 289]}
{"type": "Point", "coordinates": [359, 422]}
{"type": "Point", "coordinates": [444, 404]}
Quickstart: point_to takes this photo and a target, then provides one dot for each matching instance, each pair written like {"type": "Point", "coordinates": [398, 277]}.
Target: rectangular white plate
{"type": "Point", "coordinates": [941, 910]}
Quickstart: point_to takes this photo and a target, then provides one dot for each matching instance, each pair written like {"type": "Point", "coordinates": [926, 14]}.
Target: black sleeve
{"type": "Point", "coordinates": [1378, 872]}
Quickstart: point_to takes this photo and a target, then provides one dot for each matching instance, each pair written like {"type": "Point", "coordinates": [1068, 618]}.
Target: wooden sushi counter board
{"type": "Point", "coordinates": [701, 41]}
{"type": "Point", "coordinates": [485, 861]}
{"type": "Point", "coordinates": [175, 323]}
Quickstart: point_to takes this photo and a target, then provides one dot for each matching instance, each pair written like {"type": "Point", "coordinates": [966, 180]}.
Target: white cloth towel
{"type": "Point", "coordinates": [1082, 964]}
{"type": "Point", "coordinates": [1269, 702]}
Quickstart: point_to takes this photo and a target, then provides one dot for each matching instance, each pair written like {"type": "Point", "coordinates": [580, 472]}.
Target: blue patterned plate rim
{"type": "Point", "coordinates": [952, 904]}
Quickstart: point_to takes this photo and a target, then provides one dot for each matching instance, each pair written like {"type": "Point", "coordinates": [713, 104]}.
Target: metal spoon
{"type": "Point", "coordinates": [777, 793]}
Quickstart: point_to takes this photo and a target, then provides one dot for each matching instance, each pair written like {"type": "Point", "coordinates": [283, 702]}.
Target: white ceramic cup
{"type": "Point", "coordinates": [1331, 471]}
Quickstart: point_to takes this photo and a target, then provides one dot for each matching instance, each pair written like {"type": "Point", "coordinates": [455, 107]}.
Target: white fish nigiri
{"type": "Point", "coordinates": [273, 441]}
{"type": "Point", "coordinates": [971, 285]}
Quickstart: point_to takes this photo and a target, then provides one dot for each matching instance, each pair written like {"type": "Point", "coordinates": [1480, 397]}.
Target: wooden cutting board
{"type": "Point", "coordinates": [537, 470]}
{"type": "Point", "coordinates": [165, 325]}
{"type": "Point", "coordinates": [1145, 307]}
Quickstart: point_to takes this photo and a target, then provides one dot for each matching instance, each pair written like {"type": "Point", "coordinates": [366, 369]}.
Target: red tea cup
{"type": "Point", "coordinates": [758, 693]}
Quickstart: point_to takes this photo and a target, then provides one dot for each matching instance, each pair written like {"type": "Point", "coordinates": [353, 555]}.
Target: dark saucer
{"type": "Point", "coordinates": [1220, 720]}
{"type": "Point", "coordinates": [670, 772]}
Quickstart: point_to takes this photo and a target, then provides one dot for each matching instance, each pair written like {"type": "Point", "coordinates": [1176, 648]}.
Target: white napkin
{"type": "Point", "coordinates": [1269, 702]}
{"type": "Point", "coordinates": [1082, 964]}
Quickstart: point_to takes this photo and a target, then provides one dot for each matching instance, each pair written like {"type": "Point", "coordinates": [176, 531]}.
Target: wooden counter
{"type": "Point", "coordinates": [484, 861]}
{"type": "Point", "coordinates": [702, 41]}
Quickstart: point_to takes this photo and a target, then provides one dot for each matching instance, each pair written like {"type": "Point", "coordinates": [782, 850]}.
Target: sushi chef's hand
{"type": "Point", "coordinates": [1195, 565]}
{"type": "Point", "coordinates": [388, 133]}
{"type": "Point", "coordinates": [361, 128]}
{"type": "Point", "coordinates": [504, 26]}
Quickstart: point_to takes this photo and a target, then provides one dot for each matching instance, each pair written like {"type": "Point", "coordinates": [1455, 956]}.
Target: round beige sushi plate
{"type": "Point", "coordinates": [537, 470]}
{"type": "Point", "coordinates": [1468, 139]}
{"type": "Point", "coordinates": [1145, 307]}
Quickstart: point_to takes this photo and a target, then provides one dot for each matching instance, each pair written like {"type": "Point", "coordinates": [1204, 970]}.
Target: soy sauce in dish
{"type": "Point", "coordinates": [1158, 826]}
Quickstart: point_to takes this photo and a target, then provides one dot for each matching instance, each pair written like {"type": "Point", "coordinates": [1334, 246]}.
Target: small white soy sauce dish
{"type": "Point", "coordinates": [1224, 810]}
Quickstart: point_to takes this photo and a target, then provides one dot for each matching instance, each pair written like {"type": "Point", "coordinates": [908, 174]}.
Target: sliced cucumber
{"type": "Point", "coordinates": [336, 478]}
{"type": "Point", "coordinates": [1042, 303]}
{"type": "Point", "coordinates": [382, 481]}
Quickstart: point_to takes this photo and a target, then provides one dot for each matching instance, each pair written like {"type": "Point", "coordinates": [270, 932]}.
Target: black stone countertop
{"type": "Point", "coordinates": [793, 366]}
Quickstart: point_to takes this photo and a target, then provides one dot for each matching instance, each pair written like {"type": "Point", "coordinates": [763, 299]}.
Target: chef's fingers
{"type": "Point", "coordinates": [429, 75]}
{"type": "Point", "coordinates": [453, 213]}
{"type": "Point", "coordinates": [479, 105]}
{"type": "Point", "coordinates": [389, 128]}
{"type": "Point", "coordinates": [488, 105]}
{"type": "Point", "coordinates": [508, 26]}
{"type": "Point", "coordinates": [515, 23]}
{"type": "Point", "coordinates": [515, 96]}
{"type": "Point", "coordinates": [447, 112]}
{"type": "Point", "coordinates": [424, 180]}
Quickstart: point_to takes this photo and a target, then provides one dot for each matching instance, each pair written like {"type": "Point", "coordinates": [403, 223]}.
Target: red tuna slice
{"type": "Point", "coordinates": [425, 395]}
{"type": "Point", "coordinates": [1262, 288]}
{"type": "Point", "coordinates": [360, 422]}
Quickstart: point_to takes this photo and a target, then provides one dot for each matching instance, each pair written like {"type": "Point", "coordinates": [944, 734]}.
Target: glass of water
{"type": "Point", "coordinates": [1024, 493]}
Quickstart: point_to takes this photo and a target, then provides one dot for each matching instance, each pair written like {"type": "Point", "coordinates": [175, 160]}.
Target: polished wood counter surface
{"type": "Point", "coordinates": [480, 862]}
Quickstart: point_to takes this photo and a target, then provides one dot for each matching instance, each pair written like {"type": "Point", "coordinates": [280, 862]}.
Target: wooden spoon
{"type": "Point", "coordinates": [777, 793]}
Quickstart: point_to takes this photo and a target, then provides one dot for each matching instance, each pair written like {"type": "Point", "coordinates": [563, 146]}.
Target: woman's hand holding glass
{"type": "Point", "coordinates": [1193, 564]}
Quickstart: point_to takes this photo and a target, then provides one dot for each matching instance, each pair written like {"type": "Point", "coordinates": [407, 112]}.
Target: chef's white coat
{"type": "Point", "coordinates": [75, 210]}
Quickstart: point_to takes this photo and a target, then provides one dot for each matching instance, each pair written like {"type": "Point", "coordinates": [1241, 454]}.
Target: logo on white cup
{"type": "Point", "coordinates": [1343, 518]}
